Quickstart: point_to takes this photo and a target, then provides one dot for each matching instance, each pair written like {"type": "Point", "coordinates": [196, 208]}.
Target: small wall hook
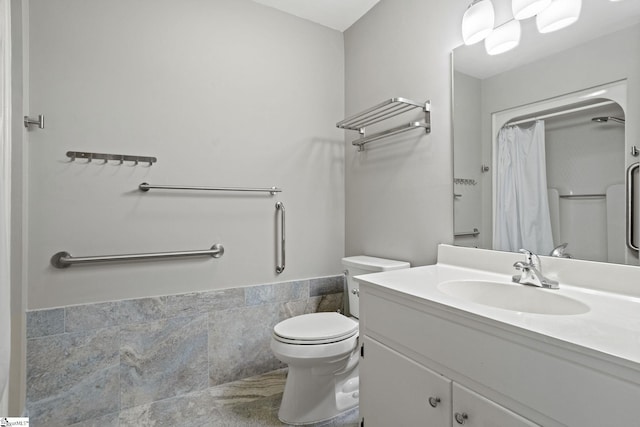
{"type": "Point", "coordinates": [634, 151]}
{"type": "Point", "coordinates": [31, 121]}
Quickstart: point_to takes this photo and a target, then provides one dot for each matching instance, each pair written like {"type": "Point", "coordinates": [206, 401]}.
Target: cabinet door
{"type": "Point", "coordinates": [472, 410]}
{"type": "Point", "coordinates": [396, 391]}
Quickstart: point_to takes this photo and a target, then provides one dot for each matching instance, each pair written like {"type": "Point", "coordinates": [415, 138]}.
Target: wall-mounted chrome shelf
{"type": "Point", "coordinates": [120, 158]}
{"type": "Point", "coordinates": [383, 111]}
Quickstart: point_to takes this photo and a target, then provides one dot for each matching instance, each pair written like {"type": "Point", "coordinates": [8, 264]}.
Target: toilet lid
{"type": "Point", "coordinates": [315, 328]}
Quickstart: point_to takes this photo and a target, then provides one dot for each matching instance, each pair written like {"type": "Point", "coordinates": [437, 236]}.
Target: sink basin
{"type": "Point", "coordinates": [514, 297]}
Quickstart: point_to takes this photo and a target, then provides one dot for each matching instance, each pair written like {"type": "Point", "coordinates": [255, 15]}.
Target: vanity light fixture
{"type": "Point", "coordinates": [503, 38]}
{"type": "Point", "coordinates": [523, 9]}
{"type": "Point", "coordinates": [478, 21]}
{"type": "Point", "coordinates": [559, 14]}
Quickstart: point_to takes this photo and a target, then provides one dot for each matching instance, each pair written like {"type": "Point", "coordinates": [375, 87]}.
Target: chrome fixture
{"type": "Point", "coordinates": [280, 267]}
{"type": "Point", "coordinates": [64, 259]}
{"type": "Point", "coordinates": [473, 233]}
{"type": "Point", "coordinates": [630, 202]}
{"type": "Point", "coordinates": [386, 110]}
{"type": "Point", "coordinates": [560, 251]}
{"type": "Point", "coordinates": [146, 187]}
{"type": "Point", "coordinates": [31, 121]}
{"type": "Point", "coordinates": [532, 272]}
{"type": "Point", "coordinates": [607, 119]}
{"type": "Point", "coordinates": [120, 158]}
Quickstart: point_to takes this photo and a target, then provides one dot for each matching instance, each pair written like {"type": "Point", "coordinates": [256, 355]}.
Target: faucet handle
{"type": "Point", "coordinates": [528, 255]}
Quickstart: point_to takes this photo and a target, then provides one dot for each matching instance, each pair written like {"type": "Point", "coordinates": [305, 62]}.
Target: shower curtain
{"type": "Point", "coordinates": [522, 217]}
{"type": "Point", "coordinates": [5, 185]}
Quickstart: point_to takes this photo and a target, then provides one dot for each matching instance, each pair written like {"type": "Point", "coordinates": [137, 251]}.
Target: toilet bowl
{"type": "Point", "coordinates": [322, 352]}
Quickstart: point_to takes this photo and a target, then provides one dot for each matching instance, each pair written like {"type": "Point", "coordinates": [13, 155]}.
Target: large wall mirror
{"type": "Point", "coordinates": [546, 138]}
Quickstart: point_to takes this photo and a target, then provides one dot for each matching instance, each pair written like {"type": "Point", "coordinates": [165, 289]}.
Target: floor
{"type": "Point", "coordinates": [252, 402]}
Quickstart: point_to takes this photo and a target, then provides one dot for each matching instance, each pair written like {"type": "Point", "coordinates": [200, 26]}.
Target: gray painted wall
{"type": "Point", "coordinates": [226, 93]}
{"type": "Point", "coordinates": [399, 194]}
{"type": "Point", "coordinates": [18, 291]}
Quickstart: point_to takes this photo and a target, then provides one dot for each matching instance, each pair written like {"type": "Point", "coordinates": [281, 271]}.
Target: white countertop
{"type": "Point", "coordinates": [611, 327]}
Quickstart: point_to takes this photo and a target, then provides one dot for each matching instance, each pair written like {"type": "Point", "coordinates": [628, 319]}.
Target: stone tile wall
{"type": "Point", "coordinates": [89, 363]}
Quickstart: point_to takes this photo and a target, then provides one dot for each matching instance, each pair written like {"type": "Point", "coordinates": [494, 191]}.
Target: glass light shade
{"type": "Point", "coordinates": [523, 9]}
{"type": "Point", "coordinates": [559, 14]}
{"type": "Point", "coordinates": [503, 38]}
{"type": "Point", "coordinates": [477, 21]}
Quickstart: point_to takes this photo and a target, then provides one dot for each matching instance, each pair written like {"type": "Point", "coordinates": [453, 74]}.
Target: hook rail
{"type": "Point", "coordinates": [73, 155]}
{"type": "Point", "coordinates": [65, 259]}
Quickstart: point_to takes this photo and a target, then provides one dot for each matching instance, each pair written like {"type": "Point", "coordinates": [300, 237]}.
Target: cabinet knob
{"type": "Point", "coordinates": [461, 418]}
{"type": "Point", "coordinates": [433, 401]}
{"type": "Point", "coordinates": [356, 292]}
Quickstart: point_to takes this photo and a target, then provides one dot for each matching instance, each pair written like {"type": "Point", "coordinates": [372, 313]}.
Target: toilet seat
{"type": "Point", "coordinates": [315, 328]}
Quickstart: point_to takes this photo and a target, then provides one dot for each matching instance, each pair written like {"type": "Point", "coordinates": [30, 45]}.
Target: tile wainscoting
{"type": "Point", "coordinates": [85, 362]}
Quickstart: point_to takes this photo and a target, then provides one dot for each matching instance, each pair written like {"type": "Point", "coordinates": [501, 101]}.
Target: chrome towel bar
{"type": "Point", "coordinates": [280, 267]}
{"type": "Point", "coordinates": [474, 233]}
{"type": "Point", "coordinates": [64, 259]}
{"type": "Point", "coordinates": [146, 187]}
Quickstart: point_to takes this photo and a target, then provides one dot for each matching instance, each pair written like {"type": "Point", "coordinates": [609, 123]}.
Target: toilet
{"type": "Point", "coordinates": [322, 352]}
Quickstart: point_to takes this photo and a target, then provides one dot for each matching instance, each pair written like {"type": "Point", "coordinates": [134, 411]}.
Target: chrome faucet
{"type": "Point", "coordinates": [560, 251]}
{"type": "Point", "coordinates": [532, 272]}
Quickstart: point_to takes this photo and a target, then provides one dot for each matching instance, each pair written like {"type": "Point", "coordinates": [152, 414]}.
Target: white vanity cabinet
{"type": "Point", "coordinates": [397, 391]}
{"type": "Point", "coordinates": [500, 375]}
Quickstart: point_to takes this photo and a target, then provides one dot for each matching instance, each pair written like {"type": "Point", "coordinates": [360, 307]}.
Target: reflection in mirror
{"type": "Point", "coordinates": [574, 109]}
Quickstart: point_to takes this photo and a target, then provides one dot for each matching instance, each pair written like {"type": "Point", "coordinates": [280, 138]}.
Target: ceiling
{"type": "Point", "coordinates": [336, 14]}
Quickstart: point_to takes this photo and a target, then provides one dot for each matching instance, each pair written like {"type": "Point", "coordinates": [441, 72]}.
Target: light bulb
{"type": "Point", "coordinates": [503, 38]}
{"type": "Point", "coordinates": [559, 14]}
{"type": "Point", "coordinates": [477, 21]}
{"type": "Point", "coordinates": [523, 9]}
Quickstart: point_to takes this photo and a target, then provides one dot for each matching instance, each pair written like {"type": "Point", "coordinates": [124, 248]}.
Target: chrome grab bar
{"type": "Point", "coordinates": [630, 188]}
{"type": "Point", "coordinates": [64, 259]}
{"type": "Point", "coordinates": [474, 233]}
{"type": "Point", "coordinates": [280, 267]}
{"type": "Point", "coordinates": [146, 187]}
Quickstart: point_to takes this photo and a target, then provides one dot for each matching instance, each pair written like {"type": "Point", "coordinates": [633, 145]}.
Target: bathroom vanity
{"type": "Point", "coordinates": [457, 343]}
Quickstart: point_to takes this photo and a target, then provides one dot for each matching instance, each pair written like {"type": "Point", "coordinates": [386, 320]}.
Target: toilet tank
{"type": "Point", "coordinates": [361, 264]}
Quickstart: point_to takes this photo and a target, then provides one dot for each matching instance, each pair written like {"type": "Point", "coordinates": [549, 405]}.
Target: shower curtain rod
{"type": "Point", "coordinates": [560, 113]}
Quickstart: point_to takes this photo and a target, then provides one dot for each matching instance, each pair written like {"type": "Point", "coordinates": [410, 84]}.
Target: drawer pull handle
{"type": "Point", "coordinates": [461, 418]}
{"type": "Point", "coordinates": [433, 401]}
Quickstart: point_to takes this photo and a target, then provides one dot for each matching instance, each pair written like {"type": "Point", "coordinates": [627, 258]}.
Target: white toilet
{"type": "Point", "coordinates": [322, 352]}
